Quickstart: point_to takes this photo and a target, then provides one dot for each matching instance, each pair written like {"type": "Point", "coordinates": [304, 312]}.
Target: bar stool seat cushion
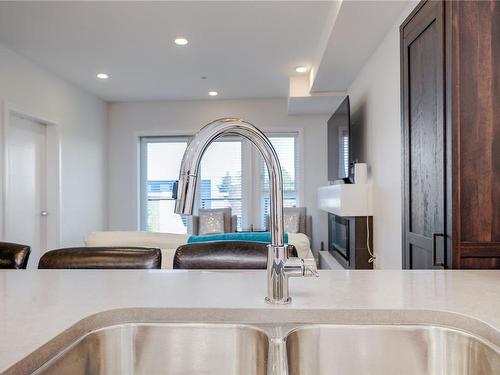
{"type": "Point", "coordinates": [13, 255]}
{"type": "Point", "coordinates": [224, 255]}
{"type": "Point", "coordinates": [102, 258]}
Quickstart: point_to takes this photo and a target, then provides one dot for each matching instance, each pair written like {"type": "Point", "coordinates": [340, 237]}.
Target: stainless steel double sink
{"type": "Point", "coordinates": [194, 348]}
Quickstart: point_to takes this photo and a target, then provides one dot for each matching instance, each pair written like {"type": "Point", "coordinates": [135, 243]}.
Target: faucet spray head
{"type": "Point", "coordinates": [186, 190]}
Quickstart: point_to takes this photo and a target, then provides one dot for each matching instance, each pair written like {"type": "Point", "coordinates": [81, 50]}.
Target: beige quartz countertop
{"type": "Point", "coordinates": [38, 306]}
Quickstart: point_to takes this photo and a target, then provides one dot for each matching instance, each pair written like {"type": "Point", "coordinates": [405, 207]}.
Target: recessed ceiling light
{"type": "Point", "coordinates": [213, 93]}
{"type": "Point", "coordinates": [301, 69]}
{"type": "Point", "coordinates": [181, 41]}
{"type": "Point", "coordinates": [102, 76]}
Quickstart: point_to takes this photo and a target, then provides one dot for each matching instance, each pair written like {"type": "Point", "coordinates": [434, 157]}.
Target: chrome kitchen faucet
{"type": "Point", "coordinates": [279, 266]}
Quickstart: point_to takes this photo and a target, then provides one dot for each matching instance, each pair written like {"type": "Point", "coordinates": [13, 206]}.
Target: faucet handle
{"type": "Point", "coordinates": [310, 268]}
{"type": "Point", "coordinates": [175, 188]}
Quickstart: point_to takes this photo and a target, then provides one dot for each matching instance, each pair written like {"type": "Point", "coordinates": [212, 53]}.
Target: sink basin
{"type": "Point", "coordinates": [165, 349]}
{"type": "Point", "coordinates": [371, 349]}
{"type": "Point", "coordinates": [274, 349]}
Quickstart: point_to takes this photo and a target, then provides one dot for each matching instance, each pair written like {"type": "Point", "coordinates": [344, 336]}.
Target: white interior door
{"type": "Point", "coordinates": [25, 220]}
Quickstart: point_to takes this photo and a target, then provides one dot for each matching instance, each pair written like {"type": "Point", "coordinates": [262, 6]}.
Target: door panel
{"type": "Point", "coordinates": [26, 185]}
{"type": "Point", "coordinates": [420, 257]}
{"type": "Point", "coordinates": [423, 137]}
{"type": "Point", "coordinates": [476, 133]}
{"type": "Point", "coordinates": [426, 136]}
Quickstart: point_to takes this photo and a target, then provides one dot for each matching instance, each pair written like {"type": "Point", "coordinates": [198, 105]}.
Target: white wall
{"type": "Point", "coordinates": [376, 122]}
{"type": "Point", "coordinates": [82, 120]}
{"type": "Point", "coordinates": [127, 121]}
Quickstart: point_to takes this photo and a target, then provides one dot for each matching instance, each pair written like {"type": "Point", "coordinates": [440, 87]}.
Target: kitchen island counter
{"type": "Point", "coordinates": [42, 311]}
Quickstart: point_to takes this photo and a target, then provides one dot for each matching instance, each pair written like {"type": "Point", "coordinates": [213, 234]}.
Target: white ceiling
{"type": "Point", "coordinates": [358, 29]}
{"type": "Point", "coordinates": [246, 49]}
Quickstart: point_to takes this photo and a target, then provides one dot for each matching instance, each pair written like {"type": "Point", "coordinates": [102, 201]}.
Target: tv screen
{"type": "Point", "coordinates": [339, 129]}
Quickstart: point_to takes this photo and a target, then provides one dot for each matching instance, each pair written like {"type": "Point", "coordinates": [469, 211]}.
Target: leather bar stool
{"type": "Point", "coordinates": [13, 255]}
{"type": "Point", "coordinates": [102, 258]}
{"type": "Point", "coordinates": [224, 255]}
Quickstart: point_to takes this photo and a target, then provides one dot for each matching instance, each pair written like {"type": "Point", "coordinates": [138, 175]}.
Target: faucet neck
{"type": "Point", "coordinates": [194, 153]}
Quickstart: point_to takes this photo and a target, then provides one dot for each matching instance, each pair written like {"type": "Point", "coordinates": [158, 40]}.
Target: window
{"type": "Point", "coordinates": [221, 176]}
{"type": "Point", "coordinates": [160, 163]}
{"type": "Point", "coordinates": [286, 148]}
{"type": "Point", "coordinates": [232, 174]}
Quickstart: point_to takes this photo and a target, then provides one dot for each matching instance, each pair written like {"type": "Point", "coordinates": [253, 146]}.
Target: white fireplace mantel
{"type": "Point", "coordinates": [346, 199]}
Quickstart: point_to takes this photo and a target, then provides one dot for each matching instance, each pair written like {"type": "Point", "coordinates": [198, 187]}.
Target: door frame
{"type": "Point", "coordinates": [53, 170]}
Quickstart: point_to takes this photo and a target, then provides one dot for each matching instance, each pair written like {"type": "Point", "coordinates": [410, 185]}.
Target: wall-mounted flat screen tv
{"type": "Point", "coordinates": [339, 147]}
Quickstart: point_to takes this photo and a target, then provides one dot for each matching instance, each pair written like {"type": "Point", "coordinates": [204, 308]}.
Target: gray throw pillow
{"type": "Point", "coordinates": [292, 220]}
{"type": "Point", "coordinates": [211, 222]}
{"type": "Point", "coordinates": [227, 216]}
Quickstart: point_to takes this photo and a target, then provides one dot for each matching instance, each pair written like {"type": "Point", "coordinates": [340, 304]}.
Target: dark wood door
{"type": "Point", "coordinates": [423, 131]}
{"type": "Point", "coordinates": [476, 133]}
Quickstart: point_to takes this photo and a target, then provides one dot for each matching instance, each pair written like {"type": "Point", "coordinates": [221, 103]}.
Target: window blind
{"type": "Point", "coordinates": [221, 177]}
{"type": "Point", "coordinates": [286, 149]}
